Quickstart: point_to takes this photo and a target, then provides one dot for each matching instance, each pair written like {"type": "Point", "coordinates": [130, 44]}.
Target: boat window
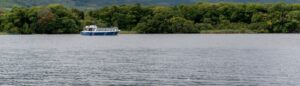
{"type": "Point", "coordinates": [90, 29]}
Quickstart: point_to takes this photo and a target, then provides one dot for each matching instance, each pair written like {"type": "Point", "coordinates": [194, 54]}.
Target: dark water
{"type": "Point", "coordinates": [155, 60]}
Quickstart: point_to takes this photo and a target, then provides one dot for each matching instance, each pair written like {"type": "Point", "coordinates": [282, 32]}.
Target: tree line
{"type": "Point", "coordinates": [191, 18]}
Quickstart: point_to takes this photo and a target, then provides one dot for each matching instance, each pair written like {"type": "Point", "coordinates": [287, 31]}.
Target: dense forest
{"type": "Point", "coordinates": [191, 18]}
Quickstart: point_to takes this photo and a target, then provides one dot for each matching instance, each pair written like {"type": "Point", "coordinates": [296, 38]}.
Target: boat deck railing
{"type": "Point", "coordinates": [101, 29]}
{"type": "Point", "coordinates": [107, 29]}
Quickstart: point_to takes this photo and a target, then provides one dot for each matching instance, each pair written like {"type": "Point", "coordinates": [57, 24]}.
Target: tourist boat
{"type": "Point", "coordinates": [93, 30]}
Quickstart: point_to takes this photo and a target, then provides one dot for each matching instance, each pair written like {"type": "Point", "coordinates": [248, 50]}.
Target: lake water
{"type": "Point", "coordinates": [151, 60]}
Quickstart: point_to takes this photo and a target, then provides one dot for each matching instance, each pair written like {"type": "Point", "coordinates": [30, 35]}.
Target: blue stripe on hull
{"type": "Point", "coordinates": [99, 33]}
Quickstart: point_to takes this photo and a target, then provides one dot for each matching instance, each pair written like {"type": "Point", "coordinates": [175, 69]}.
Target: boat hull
{"type": "Point", "coordinates": [99, 33]}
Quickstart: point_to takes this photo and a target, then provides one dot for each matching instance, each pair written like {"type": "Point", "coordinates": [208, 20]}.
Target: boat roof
{"type": "Point", "coordinates": [95, 26]}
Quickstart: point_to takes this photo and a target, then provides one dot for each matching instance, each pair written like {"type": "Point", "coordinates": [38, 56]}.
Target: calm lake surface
{"type": "Point", "coordinates": [151, 60]}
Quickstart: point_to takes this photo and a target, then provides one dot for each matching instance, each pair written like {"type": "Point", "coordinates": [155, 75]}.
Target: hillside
{"type": "Point", "coordinates": [101, 3]}
{"type": "Point", "coordinates": [89, 3]}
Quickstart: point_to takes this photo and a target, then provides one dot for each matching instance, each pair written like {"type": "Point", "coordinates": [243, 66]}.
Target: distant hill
{"type": "Point", "coordinates": [89, 3]}
{"type": "Point", "coordinates": [101, 3]}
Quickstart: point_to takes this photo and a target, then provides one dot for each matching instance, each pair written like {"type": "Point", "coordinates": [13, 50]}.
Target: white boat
{"type": "Point", "coordinates": [93, 30]}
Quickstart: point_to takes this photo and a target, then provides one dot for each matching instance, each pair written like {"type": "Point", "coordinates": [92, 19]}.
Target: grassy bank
{"type": "Point", "coordinates": [3, 33]}
{"type": "Point", "coordinates": [226, 31]}
{"type": "Point", "coordinates": [128, 32]}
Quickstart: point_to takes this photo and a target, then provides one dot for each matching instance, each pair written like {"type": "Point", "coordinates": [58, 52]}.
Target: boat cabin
{"type": "Point", "coordinates": [95, 28]}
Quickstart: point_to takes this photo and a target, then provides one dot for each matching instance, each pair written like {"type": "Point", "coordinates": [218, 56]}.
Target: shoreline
{"type": "Point", "coordinates": [1, 33]}
{"type": "Point", "coordinates": [134, 32]}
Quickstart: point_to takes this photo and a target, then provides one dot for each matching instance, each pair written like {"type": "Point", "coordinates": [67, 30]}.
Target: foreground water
{"type": "Point", "coordinates": [224, 60]}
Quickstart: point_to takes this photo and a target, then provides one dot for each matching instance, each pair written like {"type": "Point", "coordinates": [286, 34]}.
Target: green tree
{"type": "Point", "coordinates": [181, 25]}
